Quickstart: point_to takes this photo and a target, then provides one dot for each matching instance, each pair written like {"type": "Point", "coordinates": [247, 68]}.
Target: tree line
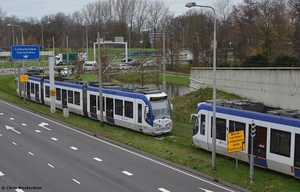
{"type": "Point", "coordinates": [268, 29]}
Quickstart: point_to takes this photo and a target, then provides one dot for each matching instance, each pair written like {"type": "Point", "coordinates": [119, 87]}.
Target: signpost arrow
{"type": "Point", "coordinates": [12, 128]}
{"type": "Point", "coordinates": [43, 126]}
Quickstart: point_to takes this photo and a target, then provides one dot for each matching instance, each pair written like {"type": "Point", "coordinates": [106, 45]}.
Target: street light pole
{"type": "Point", "coordinates": [42, 24]}
{"type": "Point", "coordinates": [193, 4]}
{"type": "Point", "coordinates": [86, 43]}
{"type": "Point", "coordinates": [11, 25]}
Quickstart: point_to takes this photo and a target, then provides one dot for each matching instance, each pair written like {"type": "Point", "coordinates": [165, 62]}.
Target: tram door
{"type": "Point", "coordinates": [110, 110]}
{"type": "Point", "coordinates": [259, 146]}
{"type": "Point", "coordinates": [297, 156]}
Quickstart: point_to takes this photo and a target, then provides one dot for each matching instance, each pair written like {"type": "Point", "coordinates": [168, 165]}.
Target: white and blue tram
{"type": "Point", "coordinates": [139, 109]}
{"type": "Point", "coordinates": [276, 144]}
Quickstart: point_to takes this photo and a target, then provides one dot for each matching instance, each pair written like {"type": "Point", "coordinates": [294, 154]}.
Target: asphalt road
{"type": "Point", "coordinates": [38, 154]}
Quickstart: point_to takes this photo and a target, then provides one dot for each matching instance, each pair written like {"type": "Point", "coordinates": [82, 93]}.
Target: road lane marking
{"type": "Point", "coordinates": [205, 190]}
{"type": "Point", "coordinates": [54, 139]}
{"type": "Point", "coordinates": [12, 128]}
{"type": "Point", "coordinates": [14, 143]}
{"type": "Point", "coordinates": [24, 124]}
{"type": "Point", "coordinates": [76, 181]}
{"type": "Point", "coordinates": [50, 165]}
{"type": "Point", "coordinates": [1, 174]}
{"type": "Point", "coordinates": [1, 113]}
{"type": "Point", "coordinates": [11, 118]}
{"type": "Point", "coordinates": [30, 153]}
{"type": "Point", "coordinates": [127, 173]}
{"type": "Point", "coordinates": [0, 135]}
{"type": "Point", "coordinates": [163, 190]}
{"type": "Point", "coordinates": [38, 131]}
{"type": "Point", "coordinates": [19, 190]}
{"type": "Point", "coordinates": [43, 126]}
{"type": "Point", "coordinates": [97, 159]}
{"type": "Point", "coordinates": [74, 148]}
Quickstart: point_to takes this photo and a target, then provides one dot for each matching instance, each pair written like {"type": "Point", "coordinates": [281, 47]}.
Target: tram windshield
{"type": "Point", "coordinates": [161, 109]}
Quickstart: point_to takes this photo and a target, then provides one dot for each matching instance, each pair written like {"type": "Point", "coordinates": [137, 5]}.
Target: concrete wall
{"type": "Point", "coordinates": [277, 87]}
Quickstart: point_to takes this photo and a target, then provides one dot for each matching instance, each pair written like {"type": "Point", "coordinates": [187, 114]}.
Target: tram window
{"type": "Point", "coordinates": [31, 88]}
{"type": "Point", "coordinates": [37, 88]}
{"type": "Point", "coordinates": [103, 105]}
{"type": "Point", "coordinates": [47, 91]}
{"type": "Point", "coordinates": [28, 86]}
{"type": "Point", "coordinates": [77, 98]}
{"type": "Point", "coordinates": [93, 103]}
{"type": "Point", "coordinates": [220, 128]}
{"type": "Point", "coordinates": [70, 96]}
{"type": "Point", "coordinates": [202, 125]}
{"type": "Point", "coordinates": [297, 150]}
{"type": "Point", "coordinates": [280, 142]}
{"type": "Point", "coordinates": [119, 107]}
{"type": "Point", "coordinates": [128, 109]}
{"type": "Point", "coordinates": [140, 113]}
{"type": "Point", "coordinates": [237, 126]}
{"type": "Point", "coordinates": [58, 95]}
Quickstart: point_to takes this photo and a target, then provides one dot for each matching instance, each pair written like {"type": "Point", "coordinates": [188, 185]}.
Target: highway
{"type": "Point", "coordinates": [38, 154]}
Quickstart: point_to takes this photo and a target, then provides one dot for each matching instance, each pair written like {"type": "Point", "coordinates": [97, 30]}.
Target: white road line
{"type": "Point", "coordinates": [19, 190]}
{"type": "Point", "coordinates": [127, 173]}
{"type": "Point", "coordinates": [0, 135]}
{"type": "Point", "coordinates": [97, 159]}
{"type": "Point", "coordinates": [14, 143]}
{"type": "Point", "coordinates": [24, 124]}
{"type": "Point", "coordinates": [11, 118]}
{"type": "Point", "coordinates": [54, 139]}
{"type": "Point", "coordinates": [163, 190]}
{"type": "Point", "coordinates": [1, 174]}
{"type": "Point", "coordinates": [76, 181]}
{"type": "Point", "coordinates": [51, 165]}
{"type": "Point", "coordinates": [74, 148]}
{"type": "Point", "coordinates": [1, 113]}
{"type": "Point", "coordinates": [30, 153]}
{"type": "Point", "coordinates": [38, 131]}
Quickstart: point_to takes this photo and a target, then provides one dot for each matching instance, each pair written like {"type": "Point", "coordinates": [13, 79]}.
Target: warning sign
{"type": "Point", "coordinates": [52, 93]}
{"type": "Point", "coordinates": [235, 141]}
{"type": "Point", "coordinates": [23, 78]}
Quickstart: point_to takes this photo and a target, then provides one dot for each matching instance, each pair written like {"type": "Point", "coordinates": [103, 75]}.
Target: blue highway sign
{"type": "Point", "coordinates": [25, 52]}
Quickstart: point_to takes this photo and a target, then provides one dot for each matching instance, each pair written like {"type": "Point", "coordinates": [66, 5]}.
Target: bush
{"type": "Point", "coordinates": [285, 61]}
{"type": "Point", "coordinates": [257, 60]}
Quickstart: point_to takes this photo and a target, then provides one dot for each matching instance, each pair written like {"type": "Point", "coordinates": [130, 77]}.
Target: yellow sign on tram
{"type": "Point", "coordinates": [235, 141]}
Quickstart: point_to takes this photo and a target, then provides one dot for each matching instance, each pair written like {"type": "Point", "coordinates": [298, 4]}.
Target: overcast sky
{"type": "Point", "coordinates": [38, 8]}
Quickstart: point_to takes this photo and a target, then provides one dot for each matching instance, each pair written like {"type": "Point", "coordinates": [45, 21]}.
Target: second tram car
{"type": "Point", "coordinates": [276, 144]}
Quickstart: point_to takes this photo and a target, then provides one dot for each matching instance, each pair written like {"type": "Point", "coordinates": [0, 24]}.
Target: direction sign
{"type": "Point", "coordinates": [236, 141]}
{"type": "Point", "coordinates": [25, 52]}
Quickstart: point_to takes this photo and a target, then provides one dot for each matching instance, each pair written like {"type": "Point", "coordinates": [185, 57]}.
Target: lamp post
{"type": "Point", "coordinates": [87, 43]}
{"type": "Point", "coordinates": [42, 24]}
{"type": "Point", "coordinates": [193, 4]}
{"type": "Point", "coordinates": [11, 25]}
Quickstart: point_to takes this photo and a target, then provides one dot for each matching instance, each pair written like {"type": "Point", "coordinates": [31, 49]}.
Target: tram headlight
{"type": "Point", "coordinates": [169, 124]}
{"type": "Point", "coordinates": [156, 126]}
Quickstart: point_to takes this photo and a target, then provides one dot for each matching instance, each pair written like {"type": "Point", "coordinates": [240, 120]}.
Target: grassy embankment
{"type": "Point", "coordinates": [175, 146]}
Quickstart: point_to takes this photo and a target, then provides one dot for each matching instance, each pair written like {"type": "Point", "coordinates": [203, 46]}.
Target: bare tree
{"type": "Point", "coordinates": [157, 12]}
{"type": "Point", "coordinates": [295, 22]}
{"type": "Point", "coordinates": [223, 9]}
